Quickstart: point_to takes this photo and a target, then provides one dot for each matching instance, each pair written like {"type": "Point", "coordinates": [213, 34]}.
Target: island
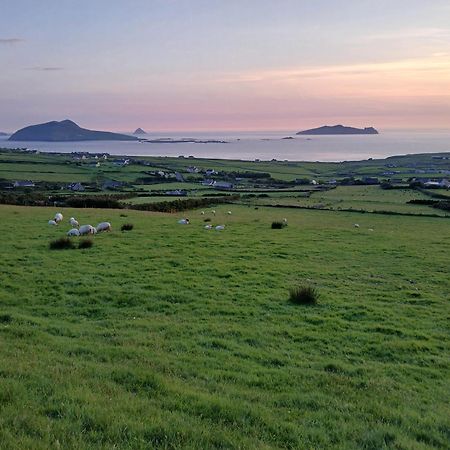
{"type": "Point", "coordinates": [337, 130]}
{"type": "Point", "coordinates": [65, 131]}
{"type": "Point", "coordinates": [139, 131]}
{"type": "Point", "coordinates": [3, 134]}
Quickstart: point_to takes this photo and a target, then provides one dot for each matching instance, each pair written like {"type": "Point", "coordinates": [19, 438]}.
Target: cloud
{"type": "Point", "coordinates": [10, 41]}
{"type": "Point", "coordinates": [45, 69]}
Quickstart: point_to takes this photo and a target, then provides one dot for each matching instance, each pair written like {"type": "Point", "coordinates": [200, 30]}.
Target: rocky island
{"type": "Point", "coordinates": [65, 131]}
{"type": "Point", "coordinates": [337, 130]}
{"type": "Point", "coordinates": [139, 131]}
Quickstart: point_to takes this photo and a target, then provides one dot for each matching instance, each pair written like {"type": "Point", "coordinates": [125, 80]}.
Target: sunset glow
{"type": "Point", "coordinates": [178, 65]}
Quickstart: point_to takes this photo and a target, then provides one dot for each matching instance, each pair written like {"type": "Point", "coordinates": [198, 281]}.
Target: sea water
{"type": "Point", "coordinates": [262, 145]}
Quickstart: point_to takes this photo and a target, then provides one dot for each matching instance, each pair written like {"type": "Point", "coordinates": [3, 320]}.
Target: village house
{"type": "Point", "coordinates": [78, 187]}
{"type": "Point", "coordinates": [23, 183]}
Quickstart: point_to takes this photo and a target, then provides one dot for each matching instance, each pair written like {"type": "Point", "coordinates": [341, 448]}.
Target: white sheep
{"type": "Point", "coordinates": [58, 217]}
{"type": "Point", "coordinates": [87, 229]}
{"type": "Point", "coordinates": [52, 222]}
{"type": "Point", "coordinates": [220, 227]}
{"type": "Point", "coordinates": [73, 232]}
{"type": "Point", "coordinates": [370, 229]}
{"type": "Point", "coordinates": [184, 221]}
{"type": "Point", "coordinates": [74, 222]}
{"type": "Point", "coordinates": [356, 225]}
{"type": "Point", "coordinates": [208, 227]}
{"type": "Point", "coordinates": [214, 211]}
{"type": "Point", "coordinates": [104, 226]}
{"type": "Point", "coordinates": [202, 213]}
{"type": "Point", "coordinates": [229, 212]}
{"type": "Point", "coordinates": [285, 220]}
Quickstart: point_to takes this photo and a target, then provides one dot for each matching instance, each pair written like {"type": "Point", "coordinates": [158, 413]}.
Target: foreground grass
{"type": "Point", "coordinates": [173, 336]}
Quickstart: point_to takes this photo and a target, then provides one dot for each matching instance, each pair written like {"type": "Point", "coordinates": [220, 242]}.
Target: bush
{"type": "Point", "coordinates": [85, 243]}
{"type": "Point", "coordinates": [61, 243]}
{"type": "Point", "coordinates": [127, 227]}
{"type": "Point", "coordinates": [278, 225]}
{"type": "Point", "coordinates": [304, 295]}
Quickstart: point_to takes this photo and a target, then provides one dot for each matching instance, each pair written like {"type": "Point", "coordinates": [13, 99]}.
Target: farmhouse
{"type": "Point", "coordinates": [24, 183]}
{"type": "Point", "coordinates": [222, 185]}
{"type": "Point", "coordinates": [78, 187]}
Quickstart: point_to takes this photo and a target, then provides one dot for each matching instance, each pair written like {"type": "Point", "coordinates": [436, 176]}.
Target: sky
{"type": "Point", "coordinates": [176, 65]}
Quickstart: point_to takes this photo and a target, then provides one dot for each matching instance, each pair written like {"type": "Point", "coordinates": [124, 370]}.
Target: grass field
{"type": "Point", "coordinates": [172, 336]}
{"type": "Point", "coordinates": [363, 198]}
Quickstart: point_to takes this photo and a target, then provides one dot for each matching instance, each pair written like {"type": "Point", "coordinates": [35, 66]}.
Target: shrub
{"type": "Point", "coordinates": [61, 243]}
{"type": "Point", "coordinates": [207, 220]}
{"type": "Point", "coordinates": [304, 295]}
{"type": "Point", "coordinates": [85, 243]}
{"type": "Point", "coordinates": [127, 227]}
{"type": "Point", "coordinates": [278, 225]}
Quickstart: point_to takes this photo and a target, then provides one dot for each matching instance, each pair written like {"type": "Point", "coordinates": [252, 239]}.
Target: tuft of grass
{"type": "Point", "coordinates": [127, 227]}
{"type": "Point", "coordinates": [277, 225]}
{"type": "Point", "coordinates": [5, 318]}
{"type": "Point", "coordinates": [207, 220]}
{"type": "Point", "coordinates": [85, 243]}
{"type": "Point", "coordinates": [304, 295]}
{"type": "Point", "coordinates": [61, 243]}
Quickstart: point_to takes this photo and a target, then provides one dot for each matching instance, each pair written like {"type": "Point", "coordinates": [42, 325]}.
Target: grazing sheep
{"type": "Point", "coordinates": [285, 220]}
{"type": "Point", "coordinates": [52, 222]}
{"type": "Point", "coordinates": [202, 213]}
{"type": "Point", "coordinates": [220, 227]}
{"type": "Point", "coordinates": [74, 222]}
{"type": "Point", "coordinates": [214, 211]}
{"type": "Point", "coordinates": [58, 217]}
{"type": "Point", "coordinates": [73, 232]}
{"type": "Point", "coordinates": [356, 225]}
{"type": "Point", "coordinates": [104, 226]}
{"type": "Point", "coordinates": [87, 229]}
{"type": "Point", "coordinates": [184, 221]}
{"type": "Point", "coordinates": [229, 212]}
{"type": "Point", "coordinates": [208, 227]}
{"type": "Point", "coordinates": [370, 229]}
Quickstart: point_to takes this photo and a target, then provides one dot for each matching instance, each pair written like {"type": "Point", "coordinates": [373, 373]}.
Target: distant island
{"type": "Point", "coordinates": [3, 134]}
{"type": "Point", "coordinates": [337, 129]}
{"type": "Point", "coordinates": [65, 131]}
{"type": "Point", "coordinates": [139, 131]}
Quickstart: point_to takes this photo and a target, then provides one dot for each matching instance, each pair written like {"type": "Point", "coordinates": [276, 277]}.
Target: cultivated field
{"type": "Point", "coordinates": [172, 336]}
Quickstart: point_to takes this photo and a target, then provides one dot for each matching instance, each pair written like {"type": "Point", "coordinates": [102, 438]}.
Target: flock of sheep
{"type": "Point", "coordinates": [78, 230]}
{"type": "Point", "coordinates": [186, 221]}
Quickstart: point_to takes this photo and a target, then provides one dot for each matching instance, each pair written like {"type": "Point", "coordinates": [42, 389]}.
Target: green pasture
{"type": "Point", "coordinates": [173, 336]}
{"type": "Point", "coordinates": [365, 198]}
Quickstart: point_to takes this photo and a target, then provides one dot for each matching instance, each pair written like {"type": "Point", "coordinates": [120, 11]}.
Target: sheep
{"type": "Point", "coordinates": [370, 229]}
{"type": "Point", "coordinates": [58, 217]}
{"type": "Point", "coordinates": [208, 227]}
{"type": "Point", "coordinates": [220, 227]}
{"type": "Point", "coordinates": [229, 212]}
{"type": "Point", "coordinates": [285, 220]}
{"type": "Point", "coordinates": [73, 232]}
{"type": "Point", "coordinates": [52, 222]}
{"type": "Point", "coordinates": [87, 229]}
{"type": "Point", "coordinates": [184, 221]}
{"type": "Point", "coordinates": [104, 226]}
{"type": "Point", "coordinates": [356, 225]}
{"type": "Point", "coordinates": [214, 212]}
{"type": "Point", "coordinates": [74, 222]}
{"type": "Point", "coordinates": [202, 213]}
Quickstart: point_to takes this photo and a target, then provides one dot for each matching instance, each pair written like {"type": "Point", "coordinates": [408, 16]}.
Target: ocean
{"type": "Point", "coordinates": [263, 145]}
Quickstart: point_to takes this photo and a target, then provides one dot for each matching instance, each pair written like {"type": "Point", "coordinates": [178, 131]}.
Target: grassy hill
{"type": "Point", "coordinates": [172, 336]}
